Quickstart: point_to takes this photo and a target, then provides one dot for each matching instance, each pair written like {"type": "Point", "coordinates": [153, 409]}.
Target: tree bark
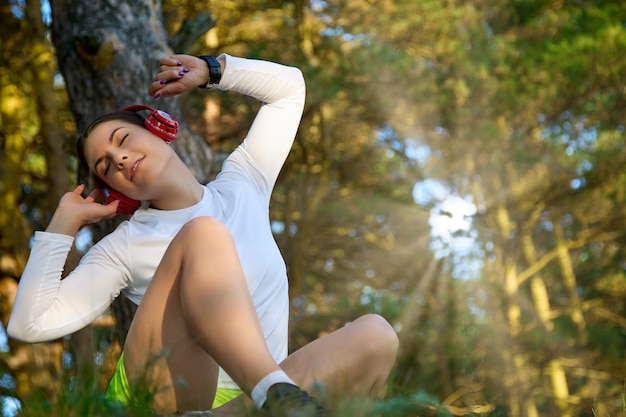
{"type": "Point", "coordinates": [517, 372]}
{"type": "Point", "coordinates": [569, 280]}
{"type": "Point", "coordinates": [541, 301]}
{"type": "Point", "coordinates": [34, 368]}
{"type": "Point", "coordinates": [108, 53]}
{"type": "Point", "coordinates": [47, 108]}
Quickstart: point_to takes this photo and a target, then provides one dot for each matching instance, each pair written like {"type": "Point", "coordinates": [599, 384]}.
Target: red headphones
{"type": "Point", "coordinates": [161, 124]}
{"type": "Point", "coordinates": [158, 122]}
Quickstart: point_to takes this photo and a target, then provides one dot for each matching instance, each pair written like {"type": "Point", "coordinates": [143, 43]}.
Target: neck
{"type": "Point", "coordinates": [181, 190]}
{"type": "Point", "coordinates": [184, 198]}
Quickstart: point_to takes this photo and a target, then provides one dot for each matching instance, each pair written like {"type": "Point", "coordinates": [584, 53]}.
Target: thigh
{"type": "Point", "coordinates": [355, 359]}
{"type": "Point", "coordinates": [160, 353]}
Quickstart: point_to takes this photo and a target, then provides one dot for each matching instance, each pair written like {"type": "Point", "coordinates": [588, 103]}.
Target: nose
{"type": "Point", "coordinates": [120, 160]}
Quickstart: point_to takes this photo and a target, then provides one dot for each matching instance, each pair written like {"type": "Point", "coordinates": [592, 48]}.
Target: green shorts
{"type": "Point", "coordinates": [119, 392]}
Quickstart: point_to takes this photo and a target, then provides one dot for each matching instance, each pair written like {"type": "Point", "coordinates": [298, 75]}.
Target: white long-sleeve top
{"type": "Point", "coordinates": [47, 307]}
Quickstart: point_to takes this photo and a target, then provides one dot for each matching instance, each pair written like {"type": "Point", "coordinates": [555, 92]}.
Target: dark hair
{"type": "Point", "coordinates": [123, 116]}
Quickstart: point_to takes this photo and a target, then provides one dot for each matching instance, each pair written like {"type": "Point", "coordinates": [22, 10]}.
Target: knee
{"type": "Point", "coordinates": [382, 333]}
{"type": "Point", "coordinates": [202, 236]}
{"type": "Point", "coordinates": [202, 228]}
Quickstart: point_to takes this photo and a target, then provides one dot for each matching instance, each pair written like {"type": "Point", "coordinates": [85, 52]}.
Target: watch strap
{"type": "Point", "coordinates": [215, 70]}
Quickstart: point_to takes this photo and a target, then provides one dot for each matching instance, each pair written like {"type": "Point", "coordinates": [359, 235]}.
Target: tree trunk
{"type": "Point", "coordinates": [569, 279]}
{"type": "Point", "coordinates": [47, 108]}
{"type": "Point", "coordinates": [541, 301]}
{"type": "Point", "coordinates": [108, 53]}
{"type": "Point", "coordinates": [517, 371]}
{"type": "Point", "coordinates": [34, 368]}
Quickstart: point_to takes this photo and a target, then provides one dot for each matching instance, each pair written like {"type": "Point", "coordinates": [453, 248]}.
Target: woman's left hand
{"type": "Point", "coordinates": [179, 74]}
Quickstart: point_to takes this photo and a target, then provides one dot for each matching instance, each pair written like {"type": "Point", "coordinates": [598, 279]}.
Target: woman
{"type": "Point", "coordinates": [200, 261]}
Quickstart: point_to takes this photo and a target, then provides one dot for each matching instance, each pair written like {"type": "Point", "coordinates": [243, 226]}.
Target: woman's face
{"type": "Point", "coordinates": [129, 158]}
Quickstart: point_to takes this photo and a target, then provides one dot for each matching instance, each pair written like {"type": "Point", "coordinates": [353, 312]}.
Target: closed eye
{"type": "Point", "coordinates": [102, 158]}
{"type": "Point", "coordinates": [108, 166]}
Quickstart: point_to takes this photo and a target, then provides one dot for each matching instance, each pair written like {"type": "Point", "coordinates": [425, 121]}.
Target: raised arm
{"type": "Point", "coordinates": [47, 307]}
{"type": "Point", "coordinates": [280, 88]}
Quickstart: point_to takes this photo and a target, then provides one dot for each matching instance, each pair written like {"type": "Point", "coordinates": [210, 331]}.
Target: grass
{"type": "Point", "coordinates": [88, 400]}
{"type": "Point", "coordinates": [77, 401]}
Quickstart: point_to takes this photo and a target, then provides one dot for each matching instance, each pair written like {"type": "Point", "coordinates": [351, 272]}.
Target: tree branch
{"type": "Point", "coordinates": [190, 31]}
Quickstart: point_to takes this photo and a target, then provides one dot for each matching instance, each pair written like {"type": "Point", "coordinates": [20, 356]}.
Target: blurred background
{"type": "Point", "coordinates": [459, 169]}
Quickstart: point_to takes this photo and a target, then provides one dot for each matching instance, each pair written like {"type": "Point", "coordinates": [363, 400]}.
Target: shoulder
{"type": "Point", "coordinates": [241, 170]}
{"type": "Point", "coordinates": [114, 242]}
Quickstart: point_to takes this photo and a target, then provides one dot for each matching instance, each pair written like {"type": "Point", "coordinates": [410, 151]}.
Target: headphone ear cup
{"type": "Point", "coordinates": [162, 124]}
{"type": "Point", "coordinates": [158, 122]}
{"type": "Point", "coordinates": [126, 206]}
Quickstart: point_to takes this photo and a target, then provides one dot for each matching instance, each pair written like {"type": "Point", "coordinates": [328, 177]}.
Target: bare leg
{"type": "Point", "coordinates": [196, 313]}
{"type": "Point", "coordinates": [354, 360]}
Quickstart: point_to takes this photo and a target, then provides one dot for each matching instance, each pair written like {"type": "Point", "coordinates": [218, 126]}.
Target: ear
{"type": "Point", "coordinates": [158, 122]}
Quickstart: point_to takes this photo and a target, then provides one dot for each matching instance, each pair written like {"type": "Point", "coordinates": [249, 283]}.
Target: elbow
{"type": "Point", "coordinates": [293, 77]}
{"type": "Point", "coordinates": [300, 85]}
{"type": "Point", "coordinates": [13, 330]}
{"type": "Point", "coordinates": [299, 77]}
{"type": "Point", "coordinates": [18, 331]}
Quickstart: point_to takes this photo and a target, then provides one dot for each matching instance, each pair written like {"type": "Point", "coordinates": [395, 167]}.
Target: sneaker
{"type": "Point", "coordinates": [286, 400]}
{"type": "Point", "coordinates": [188, 414]}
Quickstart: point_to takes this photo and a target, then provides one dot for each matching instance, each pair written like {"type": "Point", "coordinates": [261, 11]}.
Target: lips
{"type": "Point", "coordinates": [134, 167]}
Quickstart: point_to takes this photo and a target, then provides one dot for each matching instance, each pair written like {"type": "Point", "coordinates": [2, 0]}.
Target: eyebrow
{"type": "Point", "coordinates": [95, 165]}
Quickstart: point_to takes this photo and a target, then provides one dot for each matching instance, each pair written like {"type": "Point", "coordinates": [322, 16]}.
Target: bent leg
{"type": "Point", "coordinates": [196, 313]}
{"type": "Point", "coordinates": [354, 360]}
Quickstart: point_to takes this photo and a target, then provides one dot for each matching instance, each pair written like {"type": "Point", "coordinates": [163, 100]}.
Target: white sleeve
{"type": "Point", "coordinates": [47, 307]}
{"type": "Point", "coordinates": [282, 91]}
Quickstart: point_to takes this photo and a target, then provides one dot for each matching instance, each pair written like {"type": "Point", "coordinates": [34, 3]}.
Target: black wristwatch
{"type": "Point", "coordinates": [215, 71]}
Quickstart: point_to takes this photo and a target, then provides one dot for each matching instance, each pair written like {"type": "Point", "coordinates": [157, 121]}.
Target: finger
{"type": "Point", "coordinates": [93, 195]}
{"type": "Point", "coordinates": [112, 208]}
{"type": "Point", "coordinates": [165, 79]}
{"type": "Point", "coordinates": [171, 61]}
{"type": "Point", "coordinates": [175, 67]}
{"type": "Point", "coordinates": [157, 90]}
{"type": "Point", "coordinates": [106, 211]}
{"type": "Point", "coordinates": [79, 189]}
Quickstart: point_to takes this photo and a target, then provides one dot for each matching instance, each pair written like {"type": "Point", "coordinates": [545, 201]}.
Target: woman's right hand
{"type": "Point", "coordinates": [75, 211]}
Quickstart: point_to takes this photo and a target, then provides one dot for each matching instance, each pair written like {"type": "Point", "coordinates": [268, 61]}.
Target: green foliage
{"type": "Point", "coordinates": [85, 401]}
{"type": "Point", "coordinates": [519, 105]}
{"type": "Point", "coordinates": [608, 341]}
